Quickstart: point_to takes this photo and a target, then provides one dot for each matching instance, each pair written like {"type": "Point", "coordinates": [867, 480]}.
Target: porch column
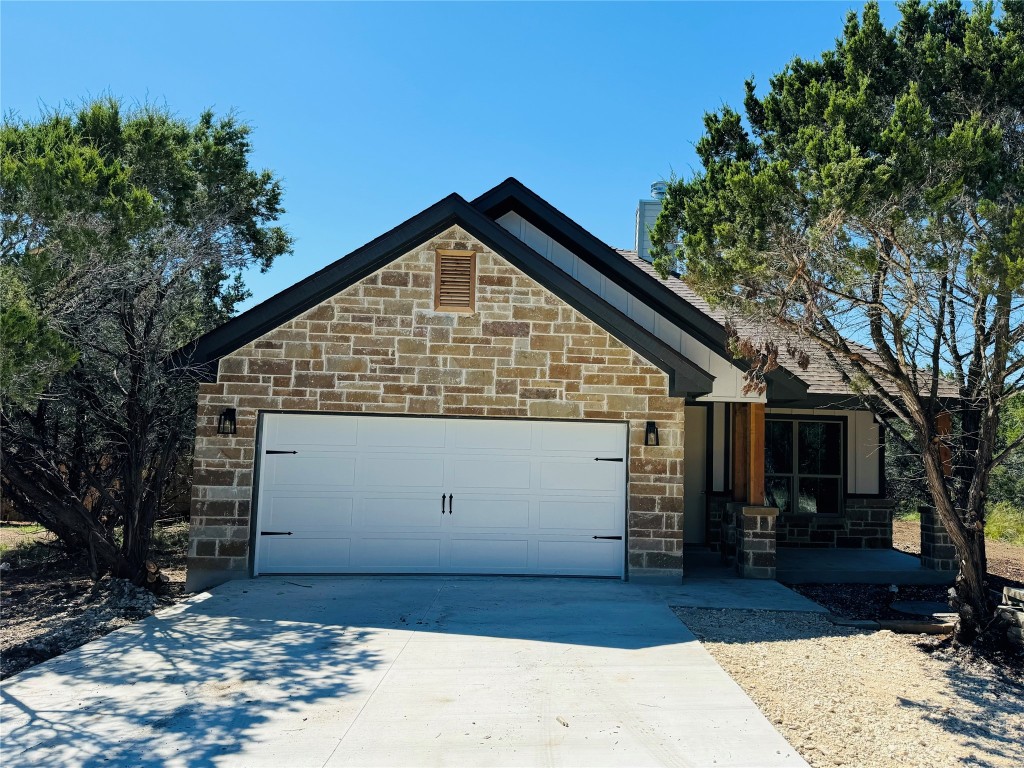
{"type": "Point", "coordinates": [753, 523]}
{"type": "Point", "coordinates": [944, 426]}
{"type": "Point", "coordinates": [740, 454]}
{"type": "Point", "coordinates": [755, 454]}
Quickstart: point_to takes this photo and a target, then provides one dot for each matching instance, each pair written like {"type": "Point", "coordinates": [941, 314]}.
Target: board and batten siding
{"type": "Point", "coordinates": [728, 385]}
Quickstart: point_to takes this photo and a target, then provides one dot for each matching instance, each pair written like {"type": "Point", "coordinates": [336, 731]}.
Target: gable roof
{"type": "Point", "coordinates": [685, 377]}
{"type": "Point", "coordinates": [688, 312]}
{"type": "Point", "coordinates": [820, 376]}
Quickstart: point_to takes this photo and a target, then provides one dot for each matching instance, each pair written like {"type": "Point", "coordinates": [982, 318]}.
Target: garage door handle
{"type": "Point", "coordinates": [275, 533]}
{"type": "Point", "coordinates": [282, 451]}
{"type": "Point", "coordinates": [614, 538]}
{"type": "Point", "coordinates": [442, 503]}
{"type": "Point", "coordinates": [607, 459]}
{"type": "Point", "coordinates": [450, 497]}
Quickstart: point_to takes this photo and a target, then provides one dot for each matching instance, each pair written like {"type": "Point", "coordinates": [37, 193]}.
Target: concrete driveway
{"type": "Point", "coordinates": [393, 671]}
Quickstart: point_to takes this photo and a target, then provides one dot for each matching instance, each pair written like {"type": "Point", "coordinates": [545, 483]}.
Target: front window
{"type": "Point", "coordinates": [803, 466]}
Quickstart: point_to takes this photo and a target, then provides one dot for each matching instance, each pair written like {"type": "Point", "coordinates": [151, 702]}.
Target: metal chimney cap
{"type": "Point", "coordinates": [659, 189]}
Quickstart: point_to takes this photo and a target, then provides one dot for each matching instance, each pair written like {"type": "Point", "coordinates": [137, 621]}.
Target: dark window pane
{"type": "Point", "coordinates": [820, 447]}
{"type": "Point", "coordinates": [778, 493]}
{"type": "Point", "coordinates": [818, 495]}
{"type": "Point", "coordinates": [778, 447]}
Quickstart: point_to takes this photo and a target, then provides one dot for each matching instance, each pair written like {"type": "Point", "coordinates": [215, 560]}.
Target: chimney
{"type": "Point", "coordinates": [646, 214]}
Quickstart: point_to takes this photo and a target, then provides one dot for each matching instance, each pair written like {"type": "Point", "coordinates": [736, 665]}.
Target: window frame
{"type": "Point", "coordinates": [470, 256]}
{"type": "Point", "coordinates": [795, 475]}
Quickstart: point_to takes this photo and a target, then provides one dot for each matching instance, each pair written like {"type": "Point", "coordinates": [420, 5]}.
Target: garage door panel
{"type": "Point", "coordinates": [482, 435]}
{"type": "Point", "coordinates": [386, 470]}
{"type": "Point", "coordinates": [293, 554]}
{"type": "Point", "coordinates": [483, 555]}
{"type": "Point", "coordinates": [399, 512]}
{"type": "Point", "coordinates": [292, 431]}
{"type": "Point", "coordinates": [483, 512]}
{"type": "Point", "coordinates": [601, 439]}
{"type": "Point", "coordinates": [307, 513]}
{"type": "Point", "coordinates": [398, 553]}
{"type": "Point", "coordinates": [576, 556]}
{"type": "Point", "coordinates": [402, 433]}
{"type": "Point", "coordinates": [595, 517]}
{"type": "Point", "coordinates": [497, 473]}
{"type": "Point", "coordinates": [307, 471]}
{"type": "Point", "coordinates": [586, 476]}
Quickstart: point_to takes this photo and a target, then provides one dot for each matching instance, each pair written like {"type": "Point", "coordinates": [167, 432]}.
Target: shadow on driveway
{"type": "Point", "coordinates": [304, 671]}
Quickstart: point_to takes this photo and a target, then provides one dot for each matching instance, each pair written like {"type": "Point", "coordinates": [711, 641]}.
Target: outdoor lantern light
{"type": "Point", "coordinates": [227, 422]}
{"type": "Point", "coordinates": [651, 436]}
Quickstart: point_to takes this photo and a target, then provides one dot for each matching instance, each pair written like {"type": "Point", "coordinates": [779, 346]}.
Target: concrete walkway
{"type": "Point", "coordinates": [393, 672]}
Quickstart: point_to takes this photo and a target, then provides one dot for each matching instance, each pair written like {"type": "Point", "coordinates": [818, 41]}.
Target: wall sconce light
{"type": "Point", "coordinates": [651, 435]}
{"type": "Point", "coordinates": [227, 422]}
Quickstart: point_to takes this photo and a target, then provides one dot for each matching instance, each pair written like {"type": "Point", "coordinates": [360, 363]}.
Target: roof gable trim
{"type": "Point", "coordinates": [685, 377]}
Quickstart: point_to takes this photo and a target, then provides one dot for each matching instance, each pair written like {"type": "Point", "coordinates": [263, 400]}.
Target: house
{"type": "Point", "coordinates": [489, 389]}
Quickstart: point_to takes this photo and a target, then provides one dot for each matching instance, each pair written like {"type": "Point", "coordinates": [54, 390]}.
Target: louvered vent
{"type": "Point", "coordinates": [455, 281]}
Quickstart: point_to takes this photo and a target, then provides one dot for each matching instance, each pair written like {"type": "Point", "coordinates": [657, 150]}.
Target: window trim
{"type": "Point", "coordinates": [794, 419]}
{"type": "Point", "coordinates": [470, 256]}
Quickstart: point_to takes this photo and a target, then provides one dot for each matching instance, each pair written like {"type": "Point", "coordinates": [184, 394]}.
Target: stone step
{"type": "Point", "coordinates": [1013, 596]}
{"type": "Point", "coordinates": [1012, 613]}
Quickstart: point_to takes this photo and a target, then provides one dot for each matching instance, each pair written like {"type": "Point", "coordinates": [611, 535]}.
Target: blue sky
{"type": "Point", "coordinates": [371, 112]}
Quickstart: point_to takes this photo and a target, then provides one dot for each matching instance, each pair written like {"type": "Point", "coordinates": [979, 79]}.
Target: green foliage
{"type": "Point", "coordinates": [137, 170]}
{"type": "Point", "coordinates": [1006, 523]}
{"type": "Point", "coordinates": [1008, 478]}
{"type": "Point", "coordinates": [124, 236]}
{"type": "Point", "coordinates": [926, 114]}
{"type": "Point", "coordinates": [31, 352]}
{"type": "Point", "coordinates": [868, 209]}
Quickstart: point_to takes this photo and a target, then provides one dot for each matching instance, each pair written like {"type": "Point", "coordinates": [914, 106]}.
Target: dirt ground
{"type": "Point", "coordinates": [49, 605]}
{"type": "Point", "coordinates": [1005, 560]}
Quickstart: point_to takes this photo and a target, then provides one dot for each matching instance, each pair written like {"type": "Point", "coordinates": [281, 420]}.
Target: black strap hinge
{"type": "Point", "coordinates": [269, 451]}
{"type": "Point", "coordinates": [600, 459]}
{"type": "Point", "coordinates": [275, 533]}
{"type": "Point", "coordinates": [614, 538]}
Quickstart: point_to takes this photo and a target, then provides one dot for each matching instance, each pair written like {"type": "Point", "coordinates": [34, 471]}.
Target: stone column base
{"type": "Point", "coordinates": [755, 542]}
{"type": "Point", "coordinates": [937, 550]}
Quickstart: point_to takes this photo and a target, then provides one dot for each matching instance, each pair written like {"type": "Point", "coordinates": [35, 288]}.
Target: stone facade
{"type": "Point", "coordinates": [379, 347]}
{"type": "Point", "coordinates": [866, 523]}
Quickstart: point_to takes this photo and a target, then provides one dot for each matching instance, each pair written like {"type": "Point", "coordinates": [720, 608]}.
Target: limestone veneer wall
{"type": "Point", "coordinates": [379, 347]}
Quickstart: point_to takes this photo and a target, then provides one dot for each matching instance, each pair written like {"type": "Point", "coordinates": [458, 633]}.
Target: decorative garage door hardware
{"type": "Point", "coordinates": [613, 538]}
{"type": "Point", "coordinates": [600, 459]}
{"type": "Point", "coordinates": [293, 452]}
{"type": "Point", "coordinates": [361, 494]}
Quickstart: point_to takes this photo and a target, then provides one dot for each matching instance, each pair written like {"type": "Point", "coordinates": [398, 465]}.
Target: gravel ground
{"type": "Point", "coordinates": [843, 697]}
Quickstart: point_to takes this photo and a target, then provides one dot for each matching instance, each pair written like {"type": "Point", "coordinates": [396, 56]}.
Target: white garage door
{"type": "Point", "coordinates": [378, 494]}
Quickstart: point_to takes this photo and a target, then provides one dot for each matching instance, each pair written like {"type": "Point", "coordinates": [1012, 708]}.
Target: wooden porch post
{"type": "Point", "coordinates": [755, 454]}
{"type": "Point", "coordinates": [740, 461]}
{"type": "Point", "coordinates": [944, 426]}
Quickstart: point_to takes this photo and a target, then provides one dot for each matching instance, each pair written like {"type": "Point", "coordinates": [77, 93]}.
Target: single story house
{"type": "Point", "coordinates": [490, 389]}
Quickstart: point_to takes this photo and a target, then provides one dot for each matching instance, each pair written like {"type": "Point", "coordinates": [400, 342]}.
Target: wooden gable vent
{"type": "Point", "coordinates": [455, 281]}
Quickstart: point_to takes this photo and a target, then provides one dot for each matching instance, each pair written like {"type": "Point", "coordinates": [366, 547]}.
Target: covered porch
{"type": "Point", "coordinates": [747, 534]}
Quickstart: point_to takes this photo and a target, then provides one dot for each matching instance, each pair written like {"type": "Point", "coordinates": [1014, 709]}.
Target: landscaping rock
{"type": "Point", "coordinates": [847, 697]}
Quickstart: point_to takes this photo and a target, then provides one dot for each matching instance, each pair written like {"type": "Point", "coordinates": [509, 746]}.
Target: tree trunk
{"type": "Point", "coordinates": [970, 600]}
